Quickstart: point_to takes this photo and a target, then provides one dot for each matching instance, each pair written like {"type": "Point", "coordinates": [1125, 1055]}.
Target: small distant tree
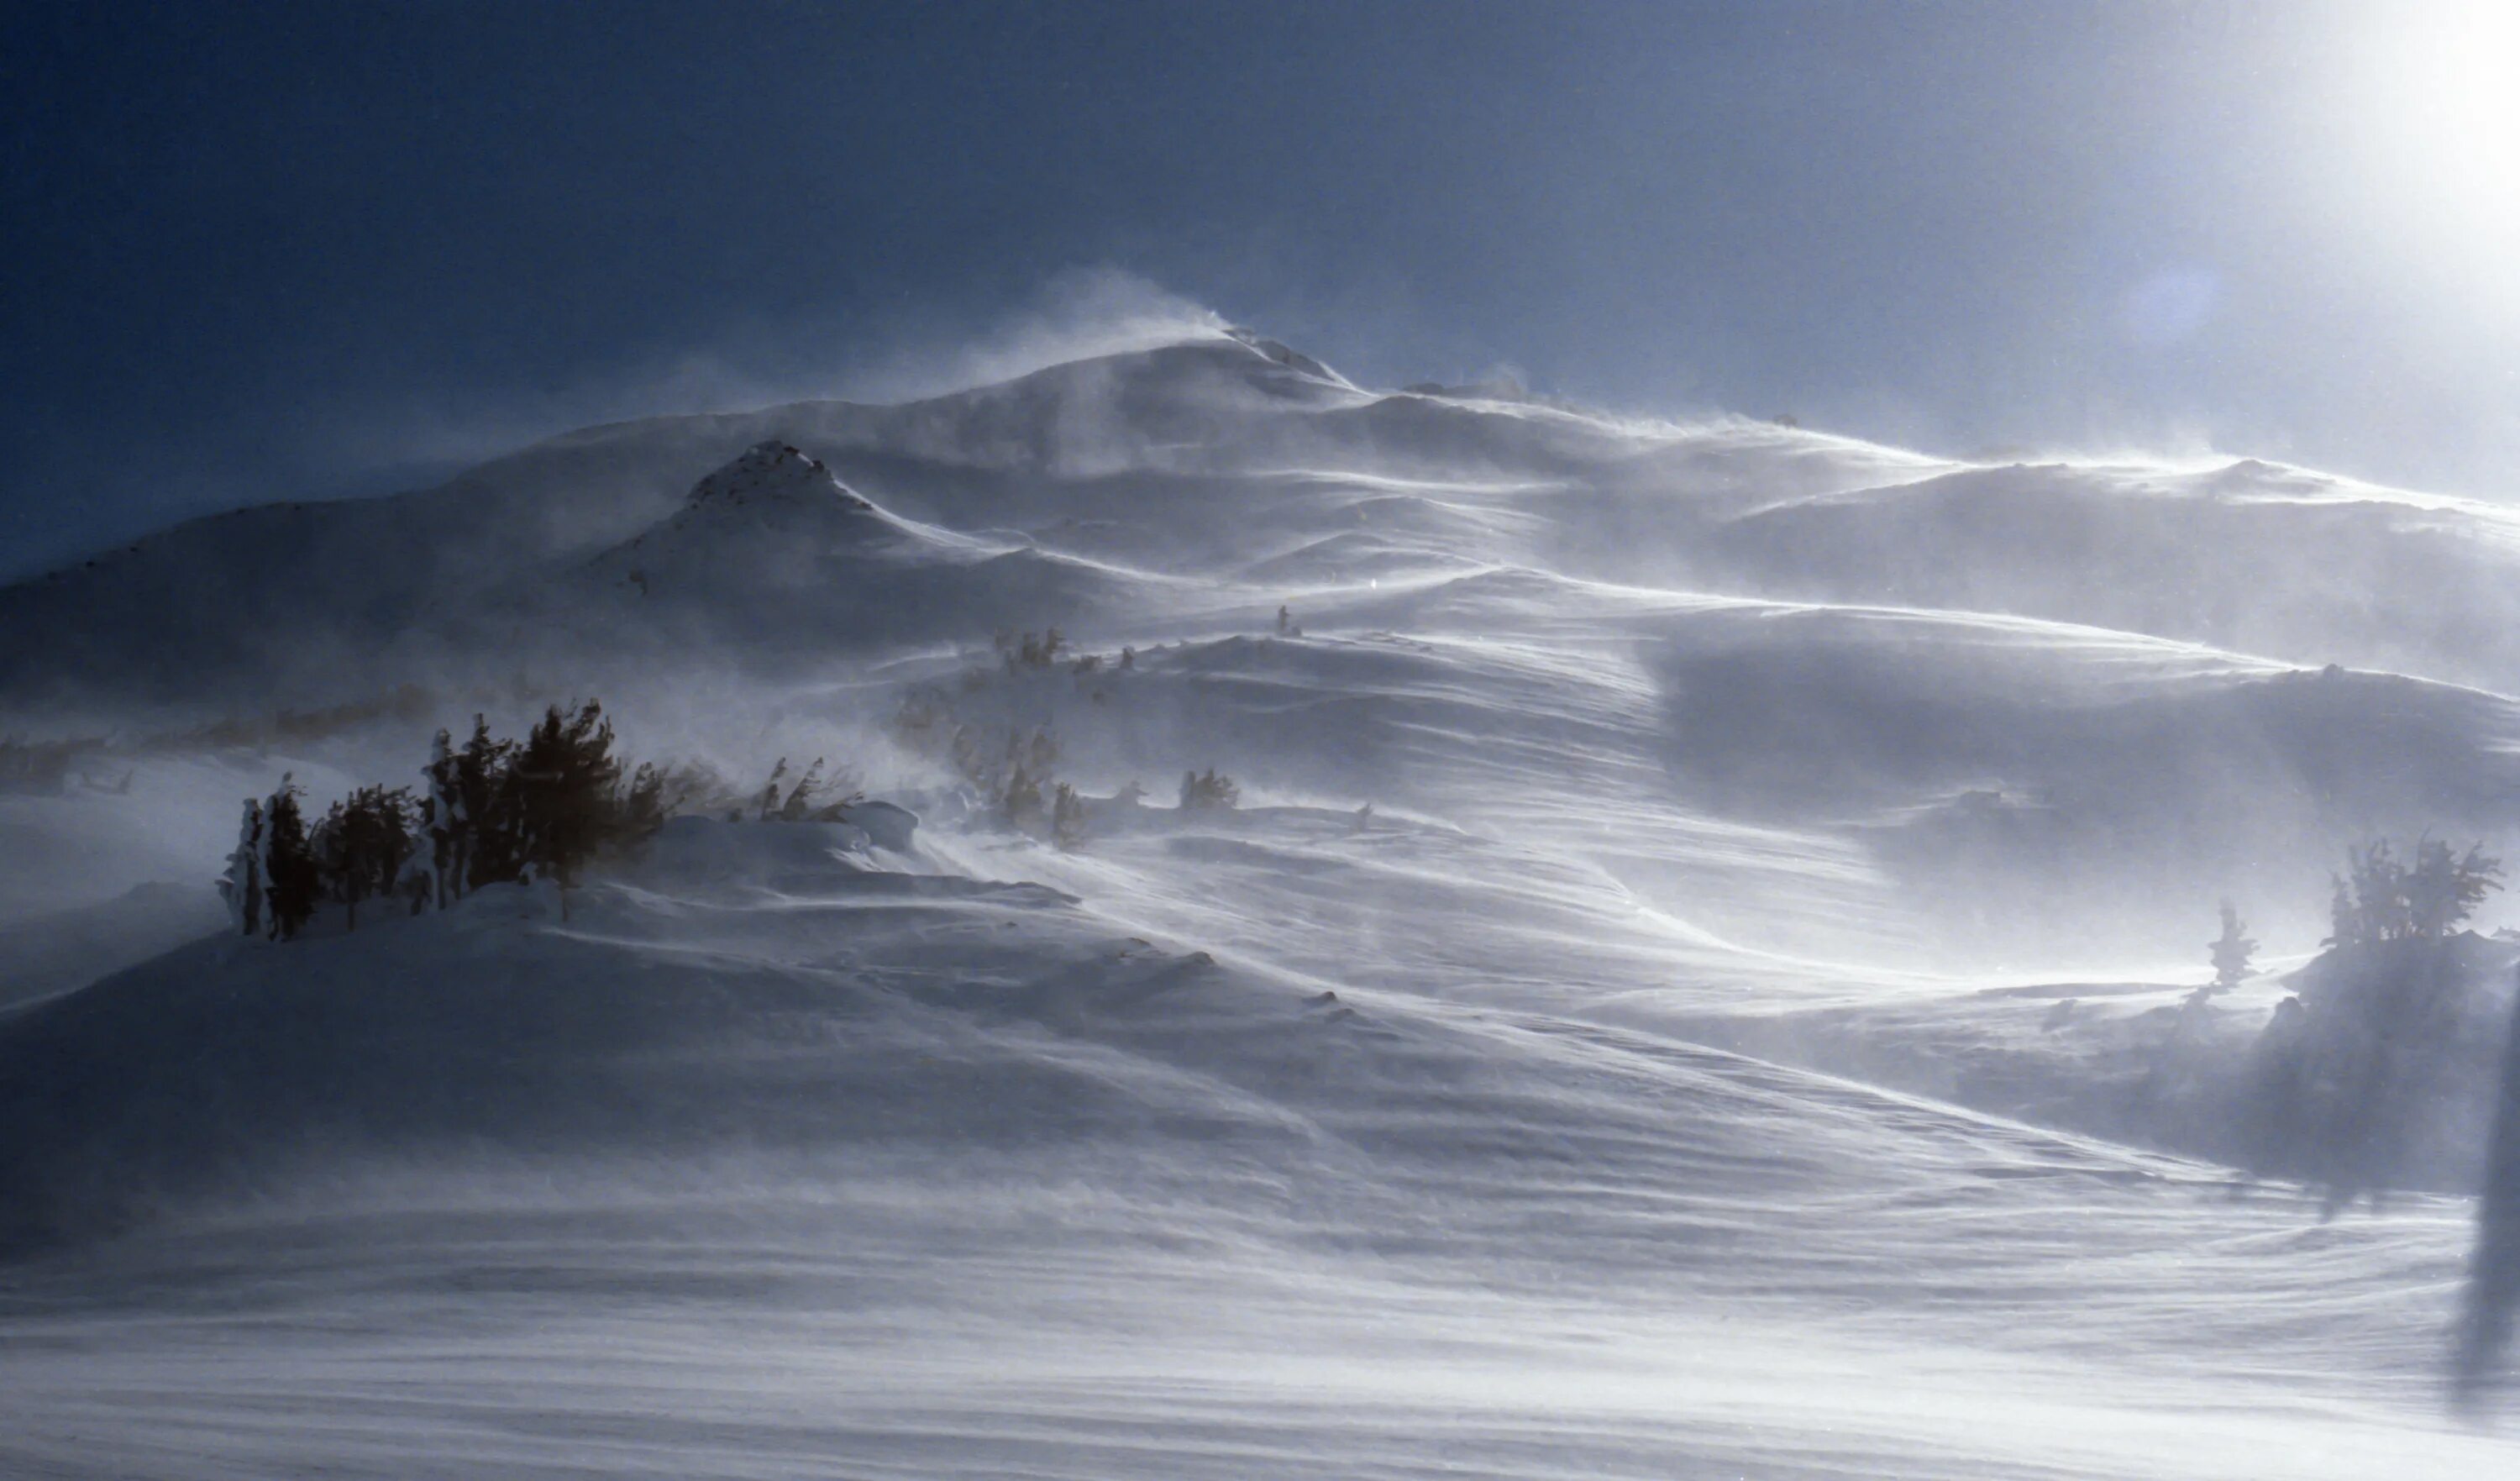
{"type": "Point", "coordinates": [292, 880]}
{"type": "Point", "coordinates": [2344, 924]}
{"type": "Point", "coordinates": [242, 885]}
{"type": "Point", "coordinates": [2380, 894]}
{"type": "Point", "coordinates": [2380, 898]}
{"type": "Point", "coordinates": [1202, 792]}
{"type": "Point", "coordinates": [568, 790]}
{"type": "Point", "coordinates": [1023, 807]}
{"type": "Point", "coordinates": [2232, 951]}
{"type": "Point", "coordinates": [1041, 750]}
{"type": "Point", "coordinates": [2443, 889]}
{"type": "Point", "coordinates": [1066, 817]}
{"type": "Point", "coordinates": [800, 797]}
{"type": "Point", "coordinates": [647, 802]}
{"type": "Point", "coordinates": [488, 829]}
{"type": "Point", "coordinates": [1128, 657]}
{"type": "Point", "coordinates": [441, 827]}
{"type": "Point", "coordinates": [362, 844]}
{"type": "Point", "coordinates": [1032, 650]}
{"type": "Point", "coordinates": [770, 791]}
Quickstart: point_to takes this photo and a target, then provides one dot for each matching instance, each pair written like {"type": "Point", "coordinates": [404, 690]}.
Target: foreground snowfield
{"type": "Point", "coordinates": [784, 1156]}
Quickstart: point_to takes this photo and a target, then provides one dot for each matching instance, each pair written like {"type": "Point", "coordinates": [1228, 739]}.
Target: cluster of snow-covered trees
{"type": "Point", "coordinates": [1205, 791]}
{"type": "Point", "coordinates": [492, 811]}
{"type": "Point", "coordinates": [2379, 1070]}
{"type": "Point", "coordinates": [2382, 898]}
{"type": "Point", "coordinates": [1013, 767]}
{"type": "Point", "coordinates": [811, 797]}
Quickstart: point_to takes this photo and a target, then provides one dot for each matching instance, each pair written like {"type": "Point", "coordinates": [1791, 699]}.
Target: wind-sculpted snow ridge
{"type": "Point", "coordinates": [1698, 981]}
{"type": "Point", "coordinates": [1179, 461]}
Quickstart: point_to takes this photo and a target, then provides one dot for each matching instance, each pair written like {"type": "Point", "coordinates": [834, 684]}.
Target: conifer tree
{"type": "Point", "coordinates": [770, 791]}
{"type": "Point", "coordinates": [243, 883]}
{"type": "Point", "coordinates": [1066, 817]}
{"type": "Point", "coordinates": [362, 844]}
{"type": "Point", "coordinates": [484, 815]}
{"type": "Point", "coordinates": [2344, 926]}
{"type": "Point", "coordinates": [336, 861]}
{"type": "Point", "coordinates": [1208, 790]}
{"type": "Point", "coordinates": [1023, 798]}
{"type": "Point", "coordinates": [645, 803]}
{"type": "Point", "coordinates": [567, 786]}
{"type": "Point", "coordinates": [442, 825]}
{"type": "Point", "coordinates": [291, 878]}
{"type": "Point", "coordinates": [801, 796]}
{"type": "Point", "coordinates": [2443, 889]}
{"type": "Point", "coordinates": [2232, 951]}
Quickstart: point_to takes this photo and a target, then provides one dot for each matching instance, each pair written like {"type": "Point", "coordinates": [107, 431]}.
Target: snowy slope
{"type": "Point", "coordinates": [972, 1160]}
{"type": "Point", "coordinates": [1702, 896]}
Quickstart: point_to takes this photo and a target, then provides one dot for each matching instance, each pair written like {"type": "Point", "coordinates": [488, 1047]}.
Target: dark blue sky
{"type": "Point", "coordinates": [273, 250]}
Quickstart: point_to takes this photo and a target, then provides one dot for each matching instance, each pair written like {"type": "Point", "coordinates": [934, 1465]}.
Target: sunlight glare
{"type": "Point", "coordinates": [2453, 94]}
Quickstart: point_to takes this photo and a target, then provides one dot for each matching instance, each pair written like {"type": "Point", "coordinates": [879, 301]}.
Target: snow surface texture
{"type": "Point", "coordinates": [1672, 1074]}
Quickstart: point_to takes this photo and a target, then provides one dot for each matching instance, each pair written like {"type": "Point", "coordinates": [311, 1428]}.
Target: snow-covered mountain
{"type": "Point", "coordinates": [1705, 897]}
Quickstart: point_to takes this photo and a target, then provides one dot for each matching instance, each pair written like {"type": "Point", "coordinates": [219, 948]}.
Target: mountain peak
{"type": "Point", "coordinates": [773, 473]}
{"type": "Point", "coordinates": [1293, 360]}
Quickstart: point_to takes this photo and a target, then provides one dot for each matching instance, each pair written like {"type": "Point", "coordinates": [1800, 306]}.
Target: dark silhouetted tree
{"type": "Point", "coordinates": [1202, 792]}
{"type": "Point", "coordinates": [645, 802]}
{"type": "Point", "coordinates": [769, 803]}
{"type": "Point", "coordinates": [362, 845]}
{"type": "Point", "coordinates": [1066, 817]}
{"type": "Point", "coordinates": [292, 881]}
{"type": "Point", "coordinates": [567, 786]}
{"type": "Point", "coordinates": [487, 821]}
{"type": "Point", "coordinates": [441, 827]}
{"type": "Point", "coordinates": [800, 797]}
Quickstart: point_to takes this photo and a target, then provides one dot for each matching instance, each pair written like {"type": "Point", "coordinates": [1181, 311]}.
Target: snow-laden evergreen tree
{"type": "Point", "coordinates": [242, 885]}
